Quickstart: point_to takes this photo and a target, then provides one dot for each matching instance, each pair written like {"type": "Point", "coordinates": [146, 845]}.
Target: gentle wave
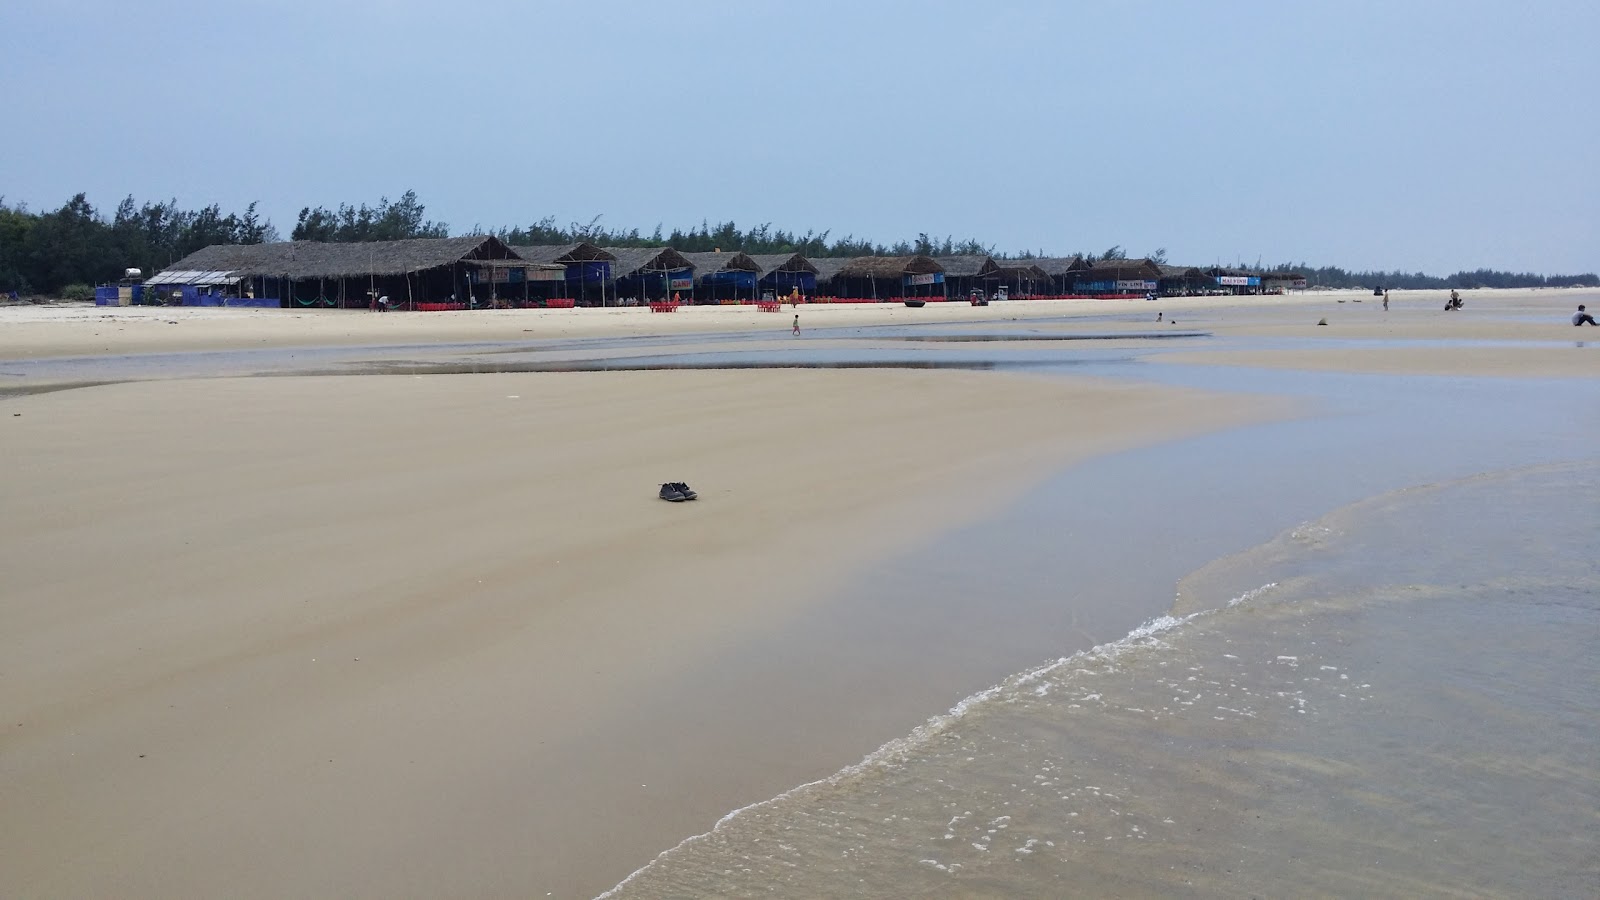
{"type": "Point", "coordinates": [1030, 681]}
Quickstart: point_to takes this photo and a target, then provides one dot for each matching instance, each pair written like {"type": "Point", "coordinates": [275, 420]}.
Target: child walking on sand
{"type": "Point", "coordinates": [796, 324]}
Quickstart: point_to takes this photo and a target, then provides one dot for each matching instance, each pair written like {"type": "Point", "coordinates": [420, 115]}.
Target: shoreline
{"type": "Point", "coordinates": [42, 332]}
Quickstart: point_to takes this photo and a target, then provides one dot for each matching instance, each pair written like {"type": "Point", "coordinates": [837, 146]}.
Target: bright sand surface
{"type": "Point", "coordinates": [387, 636]}
{"type": "Point", "coordinates": [1500, 332]}
{"type": "Point", "coordinates": [370, 636]}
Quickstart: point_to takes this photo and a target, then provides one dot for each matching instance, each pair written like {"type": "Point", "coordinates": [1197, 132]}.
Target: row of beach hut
{"type": "Point", "coordinates": [483, 271]}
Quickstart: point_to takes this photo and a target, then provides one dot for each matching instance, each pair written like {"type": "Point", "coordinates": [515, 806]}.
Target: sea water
{"type": "Point", "coordinates": [1402, 703]}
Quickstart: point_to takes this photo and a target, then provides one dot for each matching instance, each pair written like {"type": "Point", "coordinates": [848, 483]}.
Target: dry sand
{"type": "Point", "coordinates": [1484, 331]}
{"type": "Point", "coordinates": [387, 636]}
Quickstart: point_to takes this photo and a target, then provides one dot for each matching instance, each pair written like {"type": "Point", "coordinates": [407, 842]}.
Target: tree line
{"type": "Point", "coordinates": [64, 252]}
{"type": "Point", "coordinates": [76, 246]}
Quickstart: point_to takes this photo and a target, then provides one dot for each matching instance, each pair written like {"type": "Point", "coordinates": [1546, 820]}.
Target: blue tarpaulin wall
{"type": "Point", "coordinates": [1096, 287]}
{"type": "Point", "coordinates": [106, 294]}
{"type": "Point", "coordinates": [781, 283]}
{"type": "Point", "coordinates": [655, 284]}
{"type": "Point", "coordinates": [589, 272]}
{"type": "Point", "coordinates": [739, 280]}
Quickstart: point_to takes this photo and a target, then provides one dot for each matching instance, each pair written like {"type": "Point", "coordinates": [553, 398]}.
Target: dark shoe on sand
{"type": "Point", "coordinates": [669, 491]}
{"type": "Point", "coordinates": [684, 490]}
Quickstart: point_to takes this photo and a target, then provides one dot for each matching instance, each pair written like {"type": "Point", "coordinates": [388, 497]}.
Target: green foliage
{"type": "Point", "coordinates": [76, 246]}
{"type": "Point", "coordinates": [1335, 277]}
{"type": "Point", "coordinates": [729, 237]}
{"type": "Point", "coordinates": [77, 292]}
{"type": "Point", "coordinates": [388, 222]}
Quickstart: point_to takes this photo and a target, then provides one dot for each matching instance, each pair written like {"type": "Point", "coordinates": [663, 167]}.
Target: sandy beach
{"type": "Point", "coordinates": [355, 635]}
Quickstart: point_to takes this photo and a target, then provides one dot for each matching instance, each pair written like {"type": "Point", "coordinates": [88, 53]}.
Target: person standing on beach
{"type": "Point", "coordinates": [796, 324]}
{"type": "Point", "coordinates": [1582, 317]}
{"type": "Point", "coordinates": [1385, 299]}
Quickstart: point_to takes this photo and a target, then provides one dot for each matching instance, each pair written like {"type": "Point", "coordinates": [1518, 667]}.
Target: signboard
{"type": "Point", "coordinates": [1237, 280]}
{"type": "Point", "coordinates": [930, 278]}
{"type": "Point", "coordinates": [1136, 284]}
{"type": "Point", "coordinates": [680, 283]}
{"type": "Point", "coordinates": [1299, 282]}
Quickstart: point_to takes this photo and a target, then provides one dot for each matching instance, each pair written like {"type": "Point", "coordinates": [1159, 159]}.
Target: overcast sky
{"type": "Point", "coordinates": [1427, 136]}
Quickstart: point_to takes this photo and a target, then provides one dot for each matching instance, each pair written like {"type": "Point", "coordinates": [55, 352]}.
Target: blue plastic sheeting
{"type": "Point", "coordinates": [589, 272]}
{"type": "Point", "coordinates": [746, 280]}
{"type": "Point", "coordinates": [784, 282]}
{"type": "Point", "coordinates": [1095, 287]}
{"type": "Point", "coordinates": [108, 294]}
{"type": "Point", "coordinates": [209, 300]}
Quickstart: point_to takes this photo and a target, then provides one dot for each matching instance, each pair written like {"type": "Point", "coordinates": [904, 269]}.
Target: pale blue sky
{"type": "Point", "coordinates": [1419, 135]}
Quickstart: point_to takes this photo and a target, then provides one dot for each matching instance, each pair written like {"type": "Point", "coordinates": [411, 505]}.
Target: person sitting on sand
{"type": "Point", "coordinates": [1581, 317]}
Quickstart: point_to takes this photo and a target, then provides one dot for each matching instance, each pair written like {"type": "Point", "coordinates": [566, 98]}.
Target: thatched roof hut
{"type": "Point", "coordinates": [883, 277]}
{"type": "Point", "coordinates": [301, 260]}
{"type": "Point", "coordinates": [890, 267]}
{"type": "Point", "coordinates": [828, 267]}
{"type": "Point", "coordinates": [1057, 266]}
{"type": "Point", "coordinates": [1021, 268]}
{"type": "Point", "coordinates": [563, 254]}
{"type": "Point", "coordinates": [783, 262]}
{"type": "Point", "coordinates": [1124, 269]}
{"type": "Point", "coordinates": [630, 261]}
{"type": "Point", "coordinates": [966, 266]}
{"type": "Point", "coordinates": [715, 262]}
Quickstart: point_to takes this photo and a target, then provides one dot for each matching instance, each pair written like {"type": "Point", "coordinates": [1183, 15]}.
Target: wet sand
{"type": "Point", "coordinates": [384, 636]}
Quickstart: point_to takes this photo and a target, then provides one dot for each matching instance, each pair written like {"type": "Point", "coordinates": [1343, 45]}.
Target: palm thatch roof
{"type": "Point", "coordinates": [967, 266]}
{"type": "Point", "coordinates": [1125, 268]}
{"type": "Point", "coordinates": [1059, 265]}
{"type": "Point", "coordinates": [889, 266]}
{"type": "Point", "coordinates": [783, 262]}
{"type": "Point", "coordinates": [309, 259]}
{"type": "Point", "coordinates": [1179, 271]}
{"type": "Point", "coordinates": [712, 263]}
{"type": "Point", "coordinates": [563, 253]}
{"type": "Point", "coordinates": [828, 267]}
{"type": "Point", "coordinates": [633, 260]}
{"type": "Point", "coordinates": [1021, 268]}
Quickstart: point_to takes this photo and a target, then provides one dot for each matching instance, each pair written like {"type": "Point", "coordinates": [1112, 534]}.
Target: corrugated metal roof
{"type": "Point", "coordinates": [199, 278]}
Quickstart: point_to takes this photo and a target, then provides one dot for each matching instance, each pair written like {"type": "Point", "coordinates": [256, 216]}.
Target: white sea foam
{"type": "Point", "coordinates": [1143, 637]}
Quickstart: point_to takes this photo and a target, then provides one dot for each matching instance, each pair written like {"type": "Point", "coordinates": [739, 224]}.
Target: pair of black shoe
{"type": "Point", "coordinates": [677, 492]}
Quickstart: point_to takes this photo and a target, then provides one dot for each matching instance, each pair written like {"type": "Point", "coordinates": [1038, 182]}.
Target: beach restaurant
{"type": "Point", "coordinates": [889, 277]}
{"type": "Point", "coordinates": [1118, 277]}
{"type": "Point", "coordinates": [967, 273]}
{"type": "Point", "coordinates": [724, 276]}
{"type": "Point", "coordinates": [1234, 281]}
{"type": "Point", "coordinates": [418, 273]}
{"type": "Point", "coordinates": [643, 274]}
{"type": "Point", "coordinates": [587, 268]}
{"type": "Point", "coordinates": [785, 273]}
